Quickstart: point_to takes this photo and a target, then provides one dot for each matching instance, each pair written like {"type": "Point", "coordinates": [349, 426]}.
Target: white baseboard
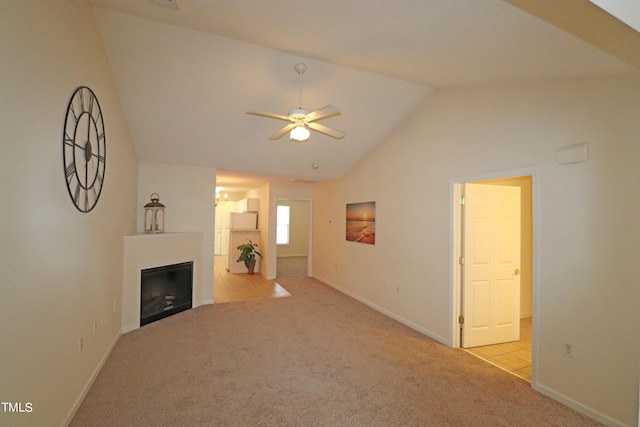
{"type": "Point", "coordinates": [387, 313]}
{"type": "Point", "coordinates": [127, 329]}
{"type": "Point", "coordinates": [583, 409]}
{"type": "Point", "coordinates": [89, 383]}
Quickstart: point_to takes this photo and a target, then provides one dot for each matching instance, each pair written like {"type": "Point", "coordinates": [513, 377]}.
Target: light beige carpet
{"type": "Point", "coordinates": [292, 266]}
{"type": "Point", "coordinates": [317, 358]}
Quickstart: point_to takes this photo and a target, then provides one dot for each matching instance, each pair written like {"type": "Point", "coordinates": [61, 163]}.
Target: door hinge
{"type": "Point", "coordinates": [461, 319]}
{"type": "Point", "coordinates": [462, 200]}
{"type": "Point", "coordinates": [461, 260]}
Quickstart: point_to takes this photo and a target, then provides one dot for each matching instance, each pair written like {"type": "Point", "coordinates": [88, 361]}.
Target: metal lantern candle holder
{"type": "Point", "coordinates": [154, 215]}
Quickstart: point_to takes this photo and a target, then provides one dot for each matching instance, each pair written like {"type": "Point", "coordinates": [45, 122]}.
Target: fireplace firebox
{"type": "Point", "coordinates": [165, 291]}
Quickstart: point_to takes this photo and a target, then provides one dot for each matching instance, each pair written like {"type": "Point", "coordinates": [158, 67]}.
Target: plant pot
{"type": "Point", "coordinates": [251, 268]}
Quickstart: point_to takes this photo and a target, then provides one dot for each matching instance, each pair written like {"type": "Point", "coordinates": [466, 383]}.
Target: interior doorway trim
{"type": "Point", "coordinates": [456, 190]}
{"type": "Point", "coordinates": [273, 248]}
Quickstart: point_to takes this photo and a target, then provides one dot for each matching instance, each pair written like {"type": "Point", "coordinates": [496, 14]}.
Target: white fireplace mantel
{"type": "Point", "coordinates": [142, 251]}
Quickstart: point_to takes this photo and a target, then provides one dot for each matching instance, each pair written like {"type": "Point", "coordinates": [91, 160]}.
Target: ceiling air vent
{"type": "Point", "coordinates": [169, 4]}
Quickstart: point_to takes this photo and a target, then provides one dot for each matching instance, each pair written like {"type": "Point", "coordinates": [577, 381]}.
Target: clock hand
{"type": "Point", "coordinates": [86, 171]}
{"type": "Point", "coordinates": [87, 156]}
{"type": "Point", "coordinates": [87, 145]}
{"type": "Point", "coordinates": [88, 125]}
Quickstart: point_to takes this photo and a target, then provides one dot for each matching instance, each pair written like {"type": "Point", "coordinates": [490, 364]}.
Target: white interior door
{"type": "Point", "coordinates": [490, 272]}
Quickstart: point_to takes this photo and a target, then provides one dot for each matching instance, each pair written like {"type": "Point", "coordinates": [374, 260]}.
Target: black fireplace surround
{"type": "Point", "coordinates": [165, 291]}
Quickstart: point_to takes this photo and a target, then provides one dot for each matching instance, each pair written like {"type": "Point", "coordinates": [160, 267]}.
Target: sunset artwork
{"type": "Point", "coordinates": [361, 222]}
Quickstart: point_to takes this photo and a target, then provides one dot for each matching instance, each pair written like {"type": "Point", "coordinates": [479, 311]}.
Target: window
{"type": "Point", "coordinates": [282, 225]}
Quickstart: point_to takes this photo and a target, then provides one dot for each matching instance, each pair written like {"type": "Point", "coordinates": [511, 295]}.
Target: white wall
{"type": "Point", "coordinates": [188, 192]}
{"type": "Point", "coordinates": [586, 289]}
{"type": "Point", "coordinates": [60, 270]}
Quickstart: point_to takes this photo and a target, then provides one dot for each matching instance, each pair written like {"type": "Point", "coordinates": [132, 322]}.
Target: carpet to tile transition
{"type": "Point", "coordinates": [318, 358]}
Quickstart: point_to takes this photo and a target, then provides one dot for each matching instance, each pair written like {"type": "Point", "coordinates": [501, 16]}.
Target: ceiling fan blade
{"type": "Point", "coordinates": [282, 131]}
{"type": "Point", "coordinates": [326, 130]}
{"type": "Point", "coordinates": [322, 113]}
{"type": "Point", "coordinates": [271, 116]}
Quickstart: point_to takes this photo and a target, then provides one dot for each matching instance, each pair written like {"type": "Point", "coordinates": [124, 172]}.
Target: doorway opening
{"type": "Point", "coordinates": [514, 350]}
{"type": "Point", "coordinates": [293, 237]}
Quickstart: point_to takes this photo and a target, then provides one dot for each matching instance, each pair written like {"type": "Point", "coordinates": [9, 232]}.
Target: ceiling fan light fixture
{"type": "Point", "coordinates": [299, 134]}
{"type": "Point", "coordinates": [301, 121]}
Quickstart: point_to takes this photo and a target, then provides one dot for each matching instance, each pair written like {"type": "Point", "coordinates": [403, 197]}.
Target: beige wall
{"type": "Point", "coordinates": [188, 192]}
{"type": "Point", "coordinates": [586, 290]}
{"type": "Point", "coordinates": [264, 213]}
{"type": "Point", "coordinates": [60, 270]}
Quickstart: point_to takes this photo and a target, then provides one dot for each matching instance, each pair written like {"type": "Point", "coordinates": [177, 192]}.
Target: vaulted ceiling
{"type": "Point", "coordinates": [187, 76]}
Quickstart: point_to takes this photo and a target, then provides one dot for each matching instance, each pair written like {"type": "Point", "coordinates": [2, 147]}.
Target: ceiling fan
{"type": "Point", "coordinates": [302, 120]}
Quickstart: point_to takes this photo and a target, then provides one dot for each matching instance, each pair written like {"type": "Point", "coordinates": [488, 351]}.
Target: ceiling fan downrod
{"type": "Point", "coordinates": [300, 69]}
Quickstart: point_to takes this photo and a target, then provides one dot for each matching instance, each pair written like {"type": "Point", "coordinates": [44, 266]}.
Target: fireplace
{"type": "Point", "coordinates": [165, 291]}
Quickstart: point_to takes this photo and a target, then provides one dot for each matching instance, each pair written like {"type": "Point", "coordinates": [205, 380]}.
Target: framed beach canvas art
{"type": "Point", "coordinates": [361, 222]}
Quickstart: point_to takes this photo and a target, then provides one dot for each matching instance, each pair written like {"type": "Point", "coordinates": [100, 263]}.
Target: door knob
{"type": "Point", "coordinates": [517, 271]}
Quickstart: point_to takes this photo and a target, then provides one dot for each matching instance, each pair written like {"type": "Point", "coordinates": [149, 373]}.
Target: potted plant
{"type": "Point", "coordinates": [248, 255]}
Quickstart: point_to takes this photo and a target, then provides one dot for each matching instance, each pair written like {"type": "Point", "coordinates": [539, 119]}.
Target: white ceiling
{"type": "Point", "coordinates": [186, 77]}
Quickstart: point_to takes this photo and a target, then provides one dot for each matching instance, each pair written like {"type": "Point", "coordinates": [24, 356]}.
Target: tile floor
{"type": "Point", "coordinates": [514, 357]}
{"type": "Point", "coordinates": [228, 287]}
